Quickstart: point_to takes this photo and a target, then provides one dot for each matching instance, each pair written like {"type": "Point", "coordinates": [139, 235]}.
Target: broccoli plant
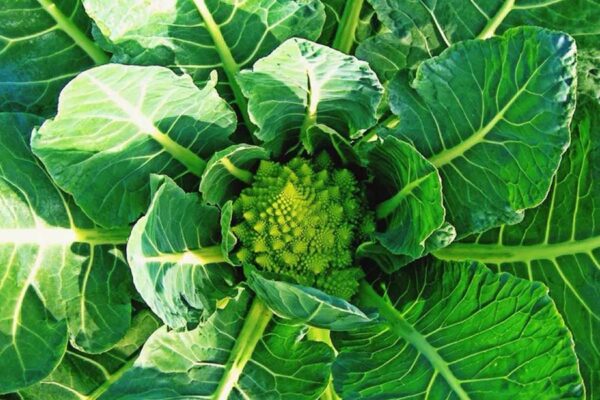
{"type": "Point", "coordinates": [299, 199]}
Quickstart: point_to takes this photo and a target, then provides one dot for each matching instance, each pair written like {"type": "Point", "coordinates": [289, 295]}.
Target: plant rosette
{"type": "Point", "coordinates": [302, 223]}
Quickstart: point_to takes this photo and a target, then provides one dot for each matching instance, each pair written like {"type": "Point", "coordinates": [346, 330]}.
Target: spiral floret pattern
{"type": "Point", "coordinates": [303, 221]}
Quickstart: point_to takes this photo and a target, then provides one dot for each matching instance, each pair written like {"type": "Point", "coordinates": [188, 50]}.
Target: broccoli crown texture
{"type": "Point", "coordinates": [302, 220]}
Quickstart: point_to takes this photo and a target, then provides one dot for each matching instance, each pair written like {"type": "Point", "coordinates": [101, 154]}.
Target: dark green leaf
{"type": "Point", "coordinates": [85, 376]}
{"type": "Point", "coordinates": [43, 44]}
{"type": "Point", "coordinates": [559, 242]}
{"type": "Point", "coordinates": [458, 331]}
{"type": "Point", "coordinates": [240, 352]}
{"type": "Point", "coordinates": [408, 193]}
{"type": "Point", "coordinates": [436, 25]}
{"type": "Point", "coordinates": [176, 257]}
{"type": "Point", "coordinates": [390, 262]}
{"type": "Point", "coordinates": [493, 117]}
{"type": "Point", "coordinates": [307, 304]}
{"type": "Point", "coordinates": [388, 54]}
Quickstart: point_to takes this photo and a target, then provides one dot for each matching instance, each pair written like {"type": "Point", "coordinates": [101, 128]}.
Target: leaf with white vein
{"type": "Point", "coordinates": [436, 25]}
{"type": "Point", "coordinates": [198, 36]}
{"type": "Point", "coordinates": [176, 256]}
{"type": "Point", "coordinates": [86, 376]}
{"type": "Point", "coordinates": [240, 352]}
{"type": "Point", "coordinates": [458, 331]}
{"type": "Point", "coordinates": [56, 269]}
{"type": "Point", "coordinates": [559, 242]}
{"type": "Point", "coordinates": [493, 116]}
{"type": "Point", "coordinates": [118, 124]}
{"type": "Point", "coordinates": [302, 84]}
{"type": "Point", "coordinates": [408, 193]}
{"type": "Point", "coordinates": [43, 44]}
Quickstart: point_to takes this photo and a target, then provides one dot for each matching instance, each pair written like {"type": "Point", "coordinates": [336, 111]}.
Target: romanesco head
{"type": "Point", "coordinates": [302, 220]}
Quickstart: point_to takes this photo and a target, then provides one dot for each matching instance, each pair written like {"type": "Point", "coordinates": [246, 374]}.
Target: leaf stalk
{"type": "Point", "coordinates": [344, 37]}
{"type": "Point", "coordinates": [256, 322]}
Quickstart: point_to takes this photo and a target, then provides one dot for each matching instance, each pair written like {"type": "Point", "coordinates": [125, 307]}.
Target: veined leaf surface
{"type": "Point", "coordinates": [57, 270]}
{"type": "Point", "coordinates": [493, 116]}
{"type": "Point", "coordinates": [407, 191]}
{"type": "Point", "coordinates": [458, 331]}
{"type": "Point", "coordinates": [240, 352]}
{"type": "Point", "coordinates": [118, 124]}
{"type": "Point", "coordinates": [439, 24]}
{"type": "Point", "coordinates": [302, 84]}
{"type": "Point", "coordinates": [86, 376]}
{"type": "Point", "coordinates": [43, 44]}
{"type": "Point", "coordinates": [176, 257]}
{"type": "Point", "coordinates": [307, 304]}
{"type": "Point", "coordinates": [198, 36]}
{"type": "Point", "coordinates": [387, 54]}
{"type": "Point", "coordinates": [559, 242]}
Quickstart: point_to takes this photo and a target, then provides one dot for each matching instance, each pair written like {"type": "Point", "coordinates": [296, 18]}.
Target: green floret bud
{"type": "Point", "coordinates": [303, 220]}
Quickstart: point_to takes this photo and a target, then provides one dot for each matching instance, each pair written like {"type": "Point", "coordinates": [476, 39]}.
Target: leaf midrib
{"type": "Point", "coordinates": [498, 253]}
{"type": "Point", "coordinates": [185, 156]}
{"type": "Point", "coordinates": [73, 31]}
{"type": "Point", "coordinates": [258, 317]}
{"type": "Point", "coordinates": [202, 256]}
{"type": "Point", "coordinates": [230, 65]}
{"type": "Point", "coordinates": [448, 155]}
{"type": "Point", "coordinates": [62, 236]}
{"type": "Point", "coordinates": [408, 332]}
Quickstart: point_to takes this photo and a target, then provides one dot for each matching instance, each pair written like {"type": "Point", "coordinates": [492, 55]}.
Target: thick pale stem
{"type": "Point", "coordinates": [390, 123]}
{"type": "Point", "coordinates": [490, 29]}
{"type": "Point", "coordinates": [368, 297]}
{"type": "Point", "coordinates": [256, 322]}
{"type": "Point", "coordinates": [103, 236]}
{"type": "Point", "coordinates": [230, 66]}
{"type": "Point", "coordinates": [495, 254]}
{"type": "Point", "coordinates": [239, 173]}
{"type": "Point", "coordinates": [324, 335]}
{"type": "Point", "coordinates": [66, 25]}
{"type": "Point", "coordinates": [344, 37]}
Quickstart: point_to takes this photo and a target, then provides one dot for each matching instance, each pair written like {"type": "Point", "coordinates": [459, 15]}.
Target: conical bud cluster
{"type": "Point", "coordinates": [303, 221]}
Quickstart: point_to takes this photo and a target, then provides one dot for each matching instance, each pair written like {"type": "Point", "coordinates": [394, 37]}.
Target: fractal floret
{"type": "Point", "coordinates": [302, 220]}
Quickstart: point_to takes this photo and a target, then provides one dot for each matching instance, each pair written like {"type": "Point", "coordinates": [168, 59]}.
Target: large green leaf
{"type": "Point", "coordinates": [302, 84]}
{"type": "Point", "coordinates": [86, 376]}
{"type": "Point", "coordinates": [408, 193]}
{"type": "Point", "coordinates": [559, 243]}
{"type": "Point", "coordinates": [493, 116]}
{"type": "Point", "coordinates": [57, 270]}
{"type": "Point", "coordinates": [118, 124]}
{"type": "Point", "coordinates": [198, 36]}
{"type": "Point", "coordinates": [240, 352]}
{"type": "Point", "coordinates": [458, 331]}
{"type": "Point", "coordinates": [43, 44]}
{"type": "Point", "coordinates": [307, 304]}
{"type": "Point", "coordinates": [176, 256]}
{"type": "Point", "coordinates": [435, 25]}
